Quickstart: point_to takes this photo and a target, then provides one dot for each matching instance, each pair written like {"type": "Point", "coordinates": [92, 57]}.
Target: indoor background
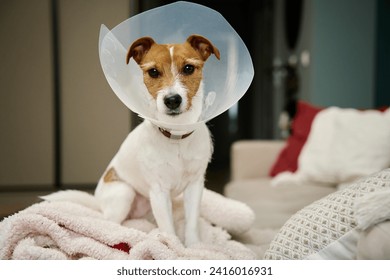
{"type": "Point", "coordinates": [60, 123]}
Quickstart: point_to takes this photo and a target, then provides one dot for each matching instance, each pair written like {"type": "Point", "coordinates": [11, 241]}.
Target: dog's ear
{"type": "Point", "coordinates": [203, 46]}
{"type": "Point", "coordinates": [139, 48]}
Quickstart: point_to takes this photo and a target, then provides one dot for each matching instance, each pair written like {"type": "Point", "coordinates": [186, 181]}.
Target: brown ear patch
{"type": "Point", "coordinates": [204, 47]}
{"type": "Point", "coordinates": [111, 176]}
{"type": "Point", "coordinates": [139, 48]}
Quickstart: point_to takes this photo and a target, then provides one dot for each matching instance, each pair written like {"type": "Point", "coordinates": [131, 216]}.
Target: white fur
{"type": "Point", "coordinates": [159, 168]}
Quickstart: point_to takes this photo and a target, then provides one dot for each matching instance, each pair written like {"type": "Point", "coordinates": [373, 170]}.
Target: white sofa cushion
{"type": "Point", "coordinates": [274, 206]}
{"type": "Point", "coordinates": [344, 144]}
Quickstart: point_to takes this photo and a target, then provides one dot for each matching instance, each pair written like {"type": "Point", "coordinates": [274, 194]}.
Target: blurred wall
{"type": "Point", "coordinates": [26, 83]}
{"type": "Point", "coordinates": [95, 122]}
{"type": "Point", "coordinates": [343, 53]}
{"type": "Point", "coordinates": [92, 121]}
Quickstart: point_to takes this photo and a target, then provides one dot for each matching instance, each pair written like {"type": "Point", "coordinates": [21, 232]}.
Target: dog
{"type": "Point", "coordinates": [154, 164]}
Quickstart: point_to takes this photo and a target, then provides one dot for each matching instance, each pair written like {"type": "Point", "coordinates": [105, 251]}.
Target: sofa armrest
{"type": "Point", "coordinates": [253, 158]}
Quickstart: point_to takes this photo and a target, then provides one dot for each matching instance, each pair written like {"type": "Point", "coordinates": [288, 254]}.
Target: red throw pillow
{"type": "Point", "coordinates": [300, 129]}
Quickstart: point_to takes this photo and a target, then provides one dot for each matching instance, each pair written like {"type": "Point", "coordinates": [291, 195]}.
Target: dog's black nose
{"type": "Point", "coordinates": [173, 101]}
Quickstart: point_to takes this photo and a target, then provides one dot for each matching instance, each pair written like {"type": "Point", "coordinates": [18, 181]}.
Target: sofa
{"type": "Point", "coordinates": [324, 192]}
{"type": "Point", "coordinates": [250, 183]}
{"type": "Point", "coordinates": [355, 219]}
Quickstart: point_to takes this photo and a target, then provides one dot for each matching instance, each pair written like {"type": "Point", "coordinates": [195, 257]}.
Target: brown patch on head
{"type": "Point", "coordinates": [194, 52]}
{"type": "Point", "coordinates": [111, 176]}
{"type": "Point", "coordinates": [156, 66]}
{"type": "Point", "coordinates": [139, 49]}
{"type": "Point", "coordinates": [155, 62]}
{"type": "Point", "coordinates": [203, 46]}
{"type": "Point", "coordinates": [188, 64]}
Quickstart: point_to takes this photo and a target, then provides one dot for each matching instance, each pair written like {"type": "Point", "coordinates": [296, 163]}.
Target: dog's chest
{"type": "Point", "coordinates": [176, 165]}
{"type": "Point", "coordinates": [148, 159]}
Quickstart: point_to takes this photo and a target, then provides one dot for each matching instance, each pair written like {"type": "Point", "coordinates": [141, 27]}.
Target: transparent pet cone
{"type": "Point", "coordinates": [225, 80]}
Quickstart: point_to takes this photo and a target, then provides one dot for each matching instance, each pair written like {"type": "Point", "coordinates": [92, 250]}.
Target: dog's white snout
{"type": "Point", "coordinates": [173, 101]}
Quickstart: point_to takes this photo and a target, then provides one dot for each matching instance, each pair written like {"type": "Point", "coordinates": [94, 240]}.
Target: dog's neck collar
{"type": "Point", "coordinates": [174, 136]}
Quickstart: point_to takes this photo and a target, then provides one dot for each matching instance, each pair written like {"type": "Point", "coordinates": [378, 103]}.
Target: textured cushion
{"type": "Point", "coordinates": [288, 157]}
{"type": "Point", "coordinates": [326, 228]}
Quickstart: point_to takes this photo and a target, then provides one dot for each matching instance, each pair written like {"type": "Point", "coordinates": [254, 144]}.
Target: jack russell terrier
{"type": "Point", "coordinates": [153, 162]}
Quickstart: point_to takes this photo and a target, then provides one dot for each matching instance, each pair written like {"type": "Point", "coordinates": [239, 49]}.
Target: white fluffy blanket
{"type": "Point", "coordinates": [70, 226]}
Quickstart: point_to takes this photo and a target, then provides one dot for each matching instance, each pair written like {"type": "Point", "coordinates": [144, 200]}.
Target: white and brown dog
{"type": "Point", "coordinates": [156, 163]}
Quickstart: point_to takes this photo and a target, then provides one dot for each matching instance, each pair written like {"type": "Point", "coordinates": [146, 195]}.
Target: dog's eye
{"type": "Point", "coordinates": [153, 73]}
{"type": "Point", "coordinates": [188, 69]}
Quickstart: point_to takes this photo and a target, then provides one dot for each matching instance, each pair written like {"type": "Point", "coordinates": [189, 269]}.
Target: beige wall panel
{"type": "Point", "coordinates": [94, 121]}
{"type": "Point", "coordinates": [26, 104]}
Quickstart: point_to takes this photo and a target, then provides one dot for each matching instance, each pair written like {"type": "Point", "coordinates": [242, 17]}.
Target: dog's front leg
{"type": "Point", "coordinates": [161, 203]}
{"type": "Point", "coordinates": [192, 199]}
